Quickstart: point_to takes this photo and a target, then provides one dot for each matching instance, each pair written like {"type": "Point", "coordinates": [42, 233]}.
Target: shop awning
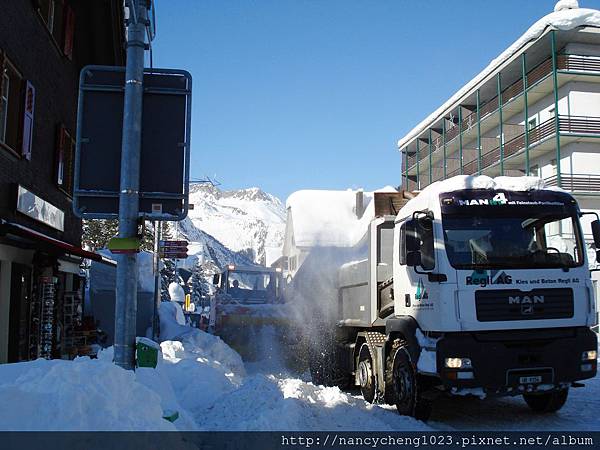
{"type": "Point", "coordinates": [15, 229]}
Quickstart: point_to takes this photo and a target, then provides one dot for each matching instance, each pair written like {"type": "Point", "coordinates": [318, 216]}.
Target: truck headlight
{"type": "Point", "coordinates": [458, 363]}
{"type": "Point", "coordinates": [590, 355]}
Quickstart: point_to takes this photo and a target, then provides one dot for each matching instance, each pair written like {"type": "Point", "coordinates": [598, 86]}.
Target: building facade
{"type": "Point", "coordinates": [534, 111]}
{"type": "Point", "coordinates": [43, 46]}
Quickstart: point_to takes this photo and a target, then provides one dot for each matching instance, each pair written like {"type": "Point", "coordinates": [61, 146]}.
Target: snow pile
{"type": "Point", "coordinates": [80, 395]}
{"type": "Point", "coordinates": [566, 4]}
{"type": "Point", "coordinates": [324, 218]}
{"type": "Point", "coordinates": [201, 366]}
{"type": "Point", "coordinates": [427, 358]}
{"type": "Point", "coordinates": [200, 374]}
{"type": "Point", "coordinates": [176, 292]}
{"type": "Point", "coordinates": [211, 347]}
{"type": "Point", "coordinates": [267, 403]}
{"type": "Point", "coordinates": [566, 17]}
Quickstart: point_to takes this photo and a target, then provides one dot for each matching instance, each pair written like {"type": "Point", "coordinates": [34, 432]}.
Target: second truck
{"type": "Point", "coordinates": [475, 286]}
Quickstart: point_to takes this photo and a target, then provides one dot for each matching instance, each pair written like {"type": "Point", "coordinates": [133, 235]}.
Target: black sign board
{"type": "Point", "coordinates": [165, 152]}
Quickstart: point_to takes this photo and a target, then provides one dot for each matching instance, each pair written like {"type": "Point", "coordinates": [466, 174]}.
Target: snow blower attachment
{"type": "Point", "coordinates": [249, 312]}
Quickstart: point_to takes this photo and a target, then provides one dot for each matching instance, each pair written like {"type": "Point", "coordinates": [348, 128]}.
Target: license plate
{"type": "Point", "coordinates": [530, 380]}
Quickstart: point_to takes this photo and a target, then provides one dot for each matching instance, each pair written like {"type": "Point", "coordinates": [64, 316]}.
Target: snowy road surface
{"type": "Point", "coordinates": [311, 410]}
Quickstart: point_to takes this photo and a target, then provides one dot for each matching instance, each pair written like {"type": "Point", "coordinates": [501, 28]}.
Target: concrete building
{"type": "Point", "coordinates": [535, 110]}
{"type": "Point", "coordinates": [43, 46]}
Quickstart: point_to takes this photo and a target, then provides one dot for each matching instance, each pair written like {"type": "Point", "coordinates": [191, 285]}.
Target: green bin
{"type": "Point", "coordinates": [146, 352]}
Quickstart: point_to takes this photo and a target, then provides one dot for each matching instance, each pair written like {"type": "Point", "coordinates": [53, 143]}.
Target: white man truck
{"type": "Point", "coordinates": [476, 285]}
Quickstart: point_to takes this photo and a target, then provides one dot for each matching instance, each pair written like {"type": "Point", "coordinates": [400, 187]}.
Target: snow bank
{"type": "Point", "coordinates": [200, 366]}
{"type": "Point", "coordinates": [324, 218]}
{"type": "Point", "coordinates": [562, 19]}
{"type": "Point", "coordinates": [80, 395]}
{"type": "Point", "coordinates": [268, 404]}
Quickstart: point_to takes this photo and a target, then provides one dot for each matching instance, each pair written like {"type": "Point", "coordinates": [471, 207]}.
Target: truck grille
{"type": "Point", "coordinates": [513, 304]}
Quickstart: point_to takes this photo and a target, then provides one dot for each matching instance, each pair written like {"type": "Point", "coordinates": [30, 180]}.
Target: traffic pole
{"type": "Point", "coordinates": [155, 317]}
{"type": "Point", "coordinates": [126, 292]}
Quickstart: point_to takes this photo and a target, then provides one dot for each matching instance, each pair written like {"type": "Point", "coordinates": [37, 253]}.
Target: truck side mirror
{"type": "Point", "coordinates": [596, 232]}
{"type": "Point", "coordinates": [413, 259]}
{"type": "Point", "coordinates": [413, 241]}
{"type": "Point", "coordinates": [216, 279]}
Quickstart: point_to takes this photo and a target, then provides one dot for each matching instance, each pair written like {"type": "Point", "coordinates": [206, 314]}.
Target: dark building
{"type": "Point", "coordinates": [43, 46]}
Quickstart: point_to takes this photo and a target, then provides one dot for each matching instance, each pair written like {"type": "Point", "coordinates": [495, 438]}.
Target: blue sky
{"type": "Point", "coordinates": [297, 94]}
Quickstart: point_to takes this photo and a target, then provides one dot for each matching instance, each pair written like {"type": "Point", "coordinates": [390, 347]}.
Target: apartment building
{"type": "Point", "coordinates": [43, 46]}
{"type": "Point", "coordinates": [534, 111]}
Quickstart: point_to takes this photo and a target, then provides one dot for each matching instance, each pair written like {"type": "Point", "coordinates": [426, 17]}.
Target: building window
{"type": "Point", "coordinates": [11, 102]}
{"type": "Point", "coordinates": [551, 112]}
{"type": "Point", "coordinates": [60, 21]}
{"type": "Point", "coordinates": [534, 171]}
{"type": "Point", "coordinates": [65, 154]}
{"type": "Point", "coordinates": [553, 166]}
{"type": "Point", "coordinates": [532, 123]}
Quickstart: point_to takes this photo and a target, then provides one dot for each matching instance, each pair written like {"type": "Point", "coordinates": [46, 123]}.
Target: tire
{"type": "Point", "coordinates": [402, 385]}
{"type": "Point", "coordinates": [549, 402]}
{"type": "Point", "coordinates": [366, 374]}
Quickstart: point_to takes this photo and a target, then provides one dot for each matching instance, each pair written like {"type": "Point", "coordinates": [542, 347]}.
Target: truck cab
{"type": "Point", "coordinates": [250, 284]}
{"type": "Point", "coordinates": [498, 284]}
{"type": "Point", "coordinates": [247, 299]}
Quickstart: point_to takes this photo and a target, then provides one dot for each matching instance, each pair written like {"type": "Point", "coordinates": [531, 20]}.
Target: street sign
{"type": "Point", "coordinates": [173, 249]}
{"type": "Point", "coordinates": [165, 148]}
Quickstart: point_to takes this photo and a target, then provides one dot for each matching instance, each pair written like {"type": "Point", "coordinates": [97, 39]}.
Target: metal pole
{"type": "Point", "coordinates": [460, 139]}
{"type": "Point", "coordinates": [526, 111]}
{"type": "Point", "coordinates": [126, 292]}
{"type": "Point", "coordinates": [499, 79]}
{"type": "Point", "coordinates": [155, 318]}
{"type": "Point", "coordinates": [556, 116]}
{"type": "Point", "coordinates": [478, 132]}
{"type": "Point", "coordinates": [444, 141]}
{"type": "Point", "coordinates": [418, 159]}
{"type": "Point", "coordinates": [430, 159]}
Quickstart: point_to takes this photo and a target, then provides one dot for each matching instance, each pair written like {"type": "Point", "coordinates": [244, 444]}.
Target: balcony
{"type": "Point", "coordinates": [576, 182]}
{"type": "Point", "coordinates": [568, 125]}
{"type": "Point", "coordinates": [569, 63]}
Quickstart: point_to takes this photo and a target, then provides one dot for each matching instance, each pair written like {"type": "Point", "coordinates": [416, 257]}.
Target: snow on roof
{"type": "Point", "coordinates": [324, 218]}
{"type": "Point", "coordinates": [272, 254]}
{"type": "Point", "coordinates": [566, 16]}
{"type": "Point", "coordinates": [432, 192]}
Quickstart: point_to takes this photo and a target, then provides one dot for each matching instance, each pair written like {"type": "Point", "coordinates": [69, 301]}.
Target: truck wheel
{"type": "Point", "coordinates": [547, 403]}
{"type": "Point", "coordinates": [366, 377]}
{"type": "Point", "coordinates": [402, 386]}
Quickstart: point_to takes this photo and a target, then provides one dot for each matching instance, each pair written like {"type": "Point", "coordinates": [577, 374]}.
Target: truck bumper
{"type": "Point", "coordinates": [516, 361]}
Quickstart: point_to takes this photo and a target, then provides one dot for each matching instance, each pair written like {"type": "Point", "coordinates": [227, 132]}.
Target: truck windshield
{"type": "Point", "coordinates": [518, 237]}
{"type": "Point", "coordinates": [252, 287]}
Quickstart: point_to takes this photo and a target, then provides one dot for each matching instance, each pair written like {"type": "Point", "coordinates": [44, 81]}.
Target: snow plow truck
{"type": "Point", "coordinates": [474, 286]}
{"type": "Point", "coordinates": [247, 306]}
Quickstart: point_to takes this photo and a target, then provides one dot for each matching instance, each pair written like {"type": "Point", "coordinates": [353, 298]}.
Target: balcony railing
{"type": "Point", "coordinates": [576, 182]}
{"type": "Point", "coordinates": [541, 71]}
{"type": "Point", "coordinates": [538, 73]}
{"type": "Point", "coordinates": [567, 124]}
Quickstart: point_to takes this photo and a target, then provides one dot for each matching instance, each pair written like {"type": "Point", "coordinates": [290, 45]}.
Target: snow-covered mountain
{"type": "Point", "coordinates": [233, 226]}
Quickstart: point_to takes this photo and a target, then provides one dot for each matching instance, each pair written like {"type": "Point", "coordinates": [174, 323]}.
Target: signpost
{"type": "Point", "coordinates": [132, 157]}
